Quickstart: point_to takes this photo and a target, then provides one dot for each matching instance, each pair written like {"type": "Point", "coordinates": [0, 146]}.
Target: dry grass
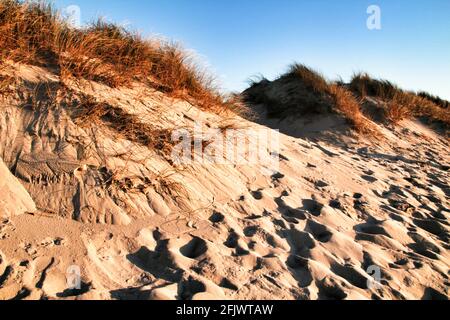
{"type": "Point", "coordinates": [399, 108]}
{"type": "Point", "coordinates": [308, 92]}
{"type": "Point", "coordinates": [34, 33]}
{"type": "Point", "coordinates": [311, 79]}
{"type": "Point", "coordinates": [339, 98]}
{"type": "Point", "coordinates": [26, 31]}
{"type": "Point", "coordinates": [400, 104]}
{"type": "Point", "coordinates": [364, 85]}
{"type": "Point", "coordinates": [90, 112]}
{"type": "Point", "coordinates": [6, 84]}
{"type": "Point", "coordinates": [350, 107]}
{"type": "Point", "coordinates": [435, 99]}
{"type": "Point", "coordinates": [423, 107]}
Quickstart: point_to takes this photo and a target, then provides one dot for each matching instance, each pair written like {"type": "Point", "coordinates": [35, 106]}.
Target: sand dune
{"type": "Point", "coordinates": [340, 209]}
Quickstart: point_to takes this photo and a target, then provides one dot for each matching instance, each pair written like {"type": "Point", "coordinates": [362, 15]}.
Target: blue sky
{"type": "Point", "coordinates": [244, 38]}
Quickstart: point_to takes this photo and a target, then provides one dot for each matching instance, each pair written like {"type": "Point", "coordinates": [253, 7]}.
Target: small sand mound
{"type": "Point", "coordinates": [14, 197]}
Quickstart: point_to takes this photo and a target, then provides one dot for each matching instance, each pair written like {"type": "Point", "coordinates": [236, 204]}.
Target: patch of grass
{"type": "Point", "coordinates": [6, 84]}
{"type": "Point", "coordinates": [90, 112]}
{"type": "Point", "coordinates": [311, 79]}
{"type": "Point", "coordinates": [299, 91]}
{"type": "Point", "coordinates": [255, 94]}
{"type": "Point", "coordinates": [435, 99]}
{"type": "Point", "coordinates": [347, 104]}
{"type": "Point", "coordinates": [364, 85]}
{"type": "Point", "coordinates": [34, 33]}
{"type": "Point", "coordinates": [423, 107]}
{"type": "Point", "coordinates": [27, 30]}
{"type": "Point", "coordinates": [398, 109]}
{"type": "Point", "coordinates": [400, 104]}
{"type": "Point", "coordinates": [306, 91]}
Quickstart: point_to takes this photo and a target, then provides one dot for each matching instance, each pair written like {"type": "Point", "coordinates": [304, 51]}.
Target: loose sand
{"type": "Point", "coordinates": [339, 211]}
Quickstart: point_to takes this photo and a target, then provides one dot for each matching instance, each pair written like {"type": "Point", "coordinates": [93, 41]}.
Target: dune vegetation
{"type": "Point", "coordinates": [309, 93]}
{"type": "Point", "coordinates": [400, 104]}
{"type": "Point", "coordinates": [435, 99]}
{"type": "Point", "coordinates": [35, 33]}
{"type": "Point", "coordinates": [306, 91]}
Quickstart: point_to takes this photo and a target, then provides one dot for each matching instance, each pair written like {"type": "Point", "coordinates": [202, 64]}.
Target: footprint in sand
{"type": "Point", "coordinates": [291, 215]}
{"type": "Point", "coordinates": [320, 232]}
{"type": "Point", "coordinates": [369, 178]}
{"type": "Point", "coordinates": [228, 284]}
{"type": "Point", "coordinates": [159, 263]}
{"type": "Point", "coordinates": [331, 288]}
{"type": "Point", "coordinates": [251, 231]}
{"type": "Point", "coordinates": [276, 178]}
{"type": "Point", "coordinates": [321, 184]}
{"type": "Point", "coordinates": [372, 227]}
{"type": "Point", "coordinates": [358, 196]}
{"type": "Point", "coordinates": [11, 286]}
{"type": "Point", "coordinates": [356, 277]}
{"type": "Point", "coordinates": [402, 205]}
{"type": "Point", "coordinates": [6, 229]}
{"type": "Point", "coordinates": [28, 279]}
{"type": "Point", "coordinates": [30, 249]}
{"type": "Point", "coordinates": [434, 227]}
{"type": "Point", "coordinates": [299, 268]}
{"type": "Point", "coordinates": [33, 249]}
{"type": "Point", "coordinates": [234, 242]}
{"type": "Point", "coordinates": [424, 247]}
{"type": "Point", "coordinates": [312, 206]}
{"type": "Point", "coordinates": [335, 204]}
{"type": "Point", "coordinates": [361, 205]}
{"type": "Point", "coordinates": [257, 194]}
{"type": "Point", "coordinates": [300, 242]}
{"type": "Point", "coordinates": [217, 217]}
{"type": "Point", "coordinates": [190, 287]}
{"type": "Point", "coordinates": [51, 242]}
{"type": "Point", "coordinates": [194, 249]}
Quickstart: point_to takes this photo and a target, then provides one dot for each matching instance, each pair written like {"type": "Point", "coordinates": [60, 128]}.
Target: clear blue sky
{"type": "Point", "coordinates": [241, 38]}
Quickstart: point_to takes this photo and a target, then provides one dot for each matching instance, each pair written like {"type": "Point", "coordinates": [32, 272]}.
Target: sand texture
{"type": "Point", "coordinates": [85, 194]}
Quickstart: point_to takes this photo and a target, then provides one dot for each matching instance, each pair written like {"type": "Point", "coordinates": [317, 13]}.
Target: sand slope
{"type": "Point", "coordinates": [15, 198]}
{"type": "Point", "coordinates": [336, 210]}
